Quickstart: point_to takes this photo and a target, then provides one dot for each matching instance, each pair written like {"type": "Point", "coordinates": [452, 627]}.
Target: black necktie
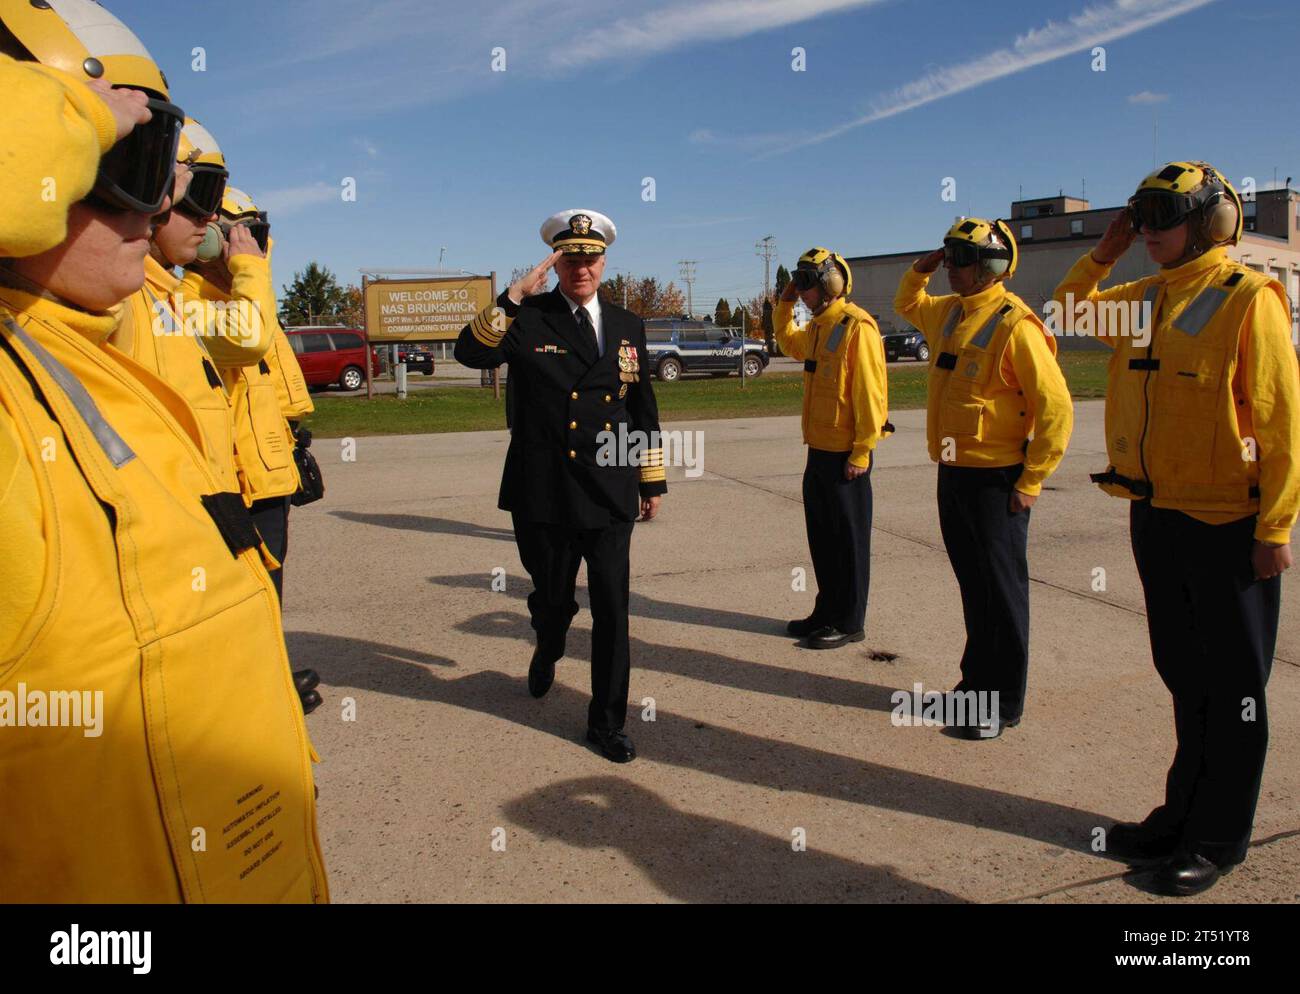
{"type": "Point", "coordinates": [583, 317]}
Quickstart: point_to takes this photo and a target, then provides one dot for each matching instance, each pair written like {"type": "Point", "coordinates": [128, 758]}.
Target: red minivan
{"type": "Point", "coordinates": [332, 355]}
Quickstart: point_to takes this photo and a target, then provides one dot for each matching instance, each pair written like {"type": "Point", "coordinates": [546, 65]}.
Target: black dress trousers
{"type": "Point", "coordinates": [837, 514]}
{"type": "Point", "coordinates": [551, 554]}
{"type": "Point", "coordinates": [1213, 632]}
{"type": "Point", "coordinates": [271, 518]}
{"type": "Point", "coordinates": [987, 547]}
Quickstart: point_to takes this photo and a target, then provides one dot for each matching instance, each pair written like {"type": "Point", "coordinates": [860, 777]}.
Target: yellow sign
{"type": "Point", "coordinates": [428, 310]}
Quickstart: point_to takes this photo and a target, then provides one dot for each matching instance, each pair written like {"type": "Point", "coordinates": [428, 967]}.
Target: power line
{"type": "Point", "coordinates": [687, 270]}
{"type": "Point", "coordinates": [766, 247]}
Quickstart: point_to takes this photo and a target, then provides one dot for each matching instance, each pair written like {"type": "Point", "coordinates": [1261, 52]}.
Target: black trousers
{"type": "Point", "coordinates": [271, 518]}
{"type": "Point", "coordinates": [1213, 632]}
{"type": "Point", "coordinates": [837, 514]}
{"type": "Point", "coordinates": [551, 554]}
{"type": "Point", "coordinates": [987, 547]}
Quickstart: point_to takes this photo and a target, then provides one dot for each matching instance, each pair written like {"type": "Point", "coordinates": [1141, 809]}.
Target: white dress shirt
{"type": "Point", "coordinates": [593, 311]}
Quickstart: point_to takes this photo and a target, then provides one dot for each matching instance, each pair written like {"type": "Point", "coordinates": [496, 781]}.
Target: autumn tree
{"type": "Point", "coordinates": [645, 296]}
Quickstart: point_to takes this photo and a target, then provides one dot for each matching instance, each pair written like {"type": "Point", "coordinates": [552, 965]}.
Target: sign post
{"type": "Point", "coordinates": [365, 326]}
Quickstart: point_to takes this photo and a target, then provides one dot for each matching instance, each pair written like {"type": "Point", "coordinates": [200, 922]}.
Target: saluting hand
{"type": "Point", "coordinates": [241, 242]}
{"type": "Point", "coordinates": [533, 282]}
{"type": "Point", "coordinates": [1116, 241]}
{"type": "Point", "coordinates": [790, 292]}
{"type": "Point", "coordinates": [929, 263]}
{"type": "Point", "coordinates": [130, 107]}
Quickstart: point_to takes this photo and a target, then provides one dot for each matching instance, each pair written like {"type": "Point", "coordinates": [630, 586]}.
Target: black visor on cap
{"type": "Point", "coordinates": [1159, 210]}
{"type": "Point", "coordinates": [207, 187]}
{"type": "Point", "coordinates": [136, 174]}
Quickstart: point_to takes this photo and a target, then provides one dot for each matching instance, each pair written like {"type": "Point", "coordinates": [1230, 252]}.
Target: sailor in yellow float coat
{"type": "Point", "coordinates": [1203, 436]}
{"type": "Point", "coordinates": [181, 339]}
{"type": "Point", "coordinates": [998, 421]}
{"type": "Point", "coordinates": [845, 413]}
{"type": "Point", "coordinates": [233, 271]}
{"type": "Point", "coordinates": [131, 768]}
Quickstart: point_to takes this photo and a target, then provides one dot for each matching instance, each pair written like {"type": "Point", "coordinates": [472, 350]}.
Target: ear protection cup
{"type": "Point", "coordinates": [210, 247]}
{"type": "Point", "coordinates": [1219, 219]}
{"type": "Point", "coordinates": [833, 281]}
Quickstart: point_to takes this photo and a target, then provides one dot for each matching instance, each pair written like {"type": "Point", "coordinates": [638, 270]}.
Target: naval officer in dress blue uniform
{"type": "Point", "coordinates": [580, 385]}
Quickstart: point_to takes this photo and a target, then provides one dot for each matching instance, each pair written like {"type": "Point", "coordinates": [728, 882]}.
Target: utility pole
{"type": "Point", "coordinates": [687, 271]}
{"type": "Point", "coordinates": [767, 249]}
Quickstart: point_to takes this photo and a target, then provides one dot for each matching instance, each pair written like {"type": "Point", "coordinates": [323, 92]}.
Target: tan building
{"type": "Point", "coordinates": [1053, 233]}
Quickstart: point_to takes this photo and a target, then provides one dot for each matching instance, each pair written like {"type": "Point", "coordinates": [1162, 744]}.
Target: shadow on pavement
{"type": "Point", "coordinates": [695, 858]}
{"type": "Point", "coordinates": [428, 523]}
{"type": "Point", "coordinates": [691, 744]}
{"type": "Point", "coordinates": [698, 664]}
{"type": "Point", "coordinates": [639, 605]}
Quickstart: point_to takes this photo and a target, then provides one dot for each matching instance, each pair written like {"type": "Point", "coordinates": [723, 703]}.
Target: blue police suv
{"type": "Point", "coordinates": [683, 346]}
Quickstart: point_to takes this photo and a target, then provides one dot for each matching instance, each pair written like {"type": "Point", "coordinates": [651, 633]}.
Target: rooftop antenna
{"type": "Point", "coordinates": [1084, 195]}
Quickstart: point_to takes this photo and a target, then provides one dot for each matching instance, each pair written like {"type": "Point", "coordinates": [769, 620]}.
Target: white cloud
{"type": "Point", "coordinates": [367, 146]}
{"type": "Point", "coordinates": [1147, 97]}
{"type": "Point", "coordinates": [292, 199]}
{"type": "Point", "coordinates": [1095, 25]}
{"type": "Point", "coordinates": [676, 25]}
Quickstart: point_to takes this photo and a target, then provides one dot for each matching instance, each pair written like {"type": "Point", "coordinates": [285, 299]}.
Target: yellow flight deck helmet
{"type": "Point", "coordinates": [237, 207]}
{"type": "Point", "coordinates": [200, 151]}
{"type": "Point", "coordinates": [1182, 190]}
{"type": "Point", "coordinates": [824, 268]}
{"type": "Point", "coordinates": [82, 38]}
{"type": "Point", "coordinates": [974, 240]}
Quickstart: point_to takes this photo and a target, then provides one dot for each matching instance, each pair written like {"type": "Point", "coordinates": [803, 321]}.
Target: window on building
{"type": "Point", "coordinates": [1026, 231]}
{"type": "Point", "coordinates": [1076, 226]}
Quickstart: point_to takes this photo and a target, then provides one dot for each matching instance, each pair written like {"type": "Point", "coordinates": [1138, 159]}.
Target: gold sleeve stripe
{"type": "Point", "coordinates": [652, 466]}
{"type": "Point", "coordinates": [483, 328]}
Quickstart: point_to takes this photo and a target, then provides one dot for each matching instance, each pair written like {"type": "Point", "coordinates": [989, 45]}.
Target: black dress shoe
{"type": "Point", "coordinates": [829, 637]}
{"type": "Point", "coordinates": [804, 626]}
{"type": "Point", "coordinates": [1185, 874]}
{"type": "Point", "coordinates": [310, 701]}
{"type": "Point", "coordinates": [541, 671]}
{"type": "Point", "coordinates": [305, 680]}
{"type": "Point", "coordinates": [613, 745]}
{"type": "Point", "coordinates": [1138, 843]}
{"type": "Point", "coordinates": [990, 729]}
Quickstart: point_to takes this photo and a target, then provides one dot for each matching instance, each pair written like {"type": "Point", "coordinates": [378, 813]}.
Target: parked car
{"type": "Point", "coordinates": [332, 355]}
{"type": "Point", "coordinates": [681, 346]}
{"type": "Point", "coordinates": [908, 344]}
{"type": "Point", "coordinates": [418, 358]}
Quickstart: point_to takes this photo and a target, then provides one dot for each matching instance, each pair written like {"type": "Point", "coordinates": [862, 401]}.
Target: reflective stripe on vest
{"type": "Point", "coordinates": [985, 334]}
{"type": "Point", "coordinates": [836, 336]}
{"type": "Point", "coordinates": [115, 448]}
{"type": "Point", "coordinates": [953, 318]}
{"type": "Point", "coordinates": [1149, 298]}
{"type": "Point", "coordinates": [1200, 311]}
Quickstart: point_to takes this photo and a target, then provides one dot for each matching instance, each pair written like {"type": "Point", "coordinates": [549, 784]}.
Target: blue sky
{"type": "Point", "coordinates": [850, 153]}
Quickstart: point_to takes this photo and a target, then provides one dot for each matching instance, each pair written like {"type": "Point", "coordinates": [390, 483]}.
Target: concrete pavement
{"type": "Point", "coordinates": [453, 784]}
